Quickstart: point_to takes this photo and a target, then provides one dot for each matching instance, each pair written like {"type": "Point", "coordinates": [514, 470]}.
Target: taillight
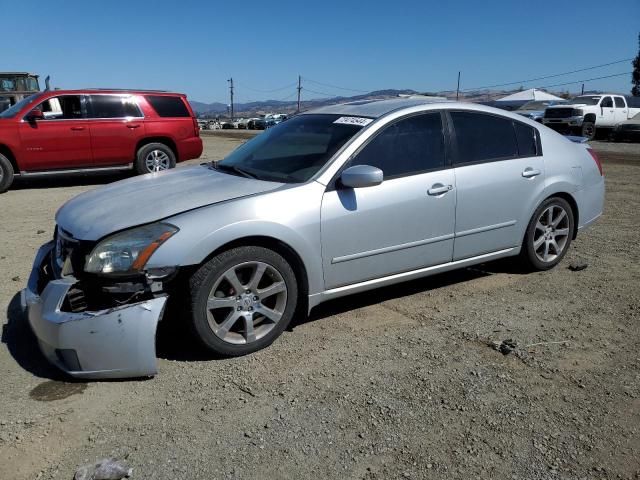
{"type": "Point", "coordinates": [196, 127]}
{"type": "Point", "coordinates": [594, 155]}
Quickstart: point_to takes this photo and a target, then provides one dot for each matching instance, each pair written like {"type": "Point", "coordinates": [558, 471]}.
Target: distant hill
{"type": "Point", "coordinates": [210, 109]}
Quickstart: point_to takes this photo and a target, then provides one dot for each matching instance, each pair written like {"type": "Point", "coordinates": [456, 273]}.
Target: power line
{"type": "Point", "coordinates": [334, 86]}
{"type": "Point", "coordinates": [332, 95]}
{"type": "Point", "coordinates": [587, 80]}
{"type": "Point", "coordinates": [266, 91]}
{"type": "Point", "coordinates": [550, 76]}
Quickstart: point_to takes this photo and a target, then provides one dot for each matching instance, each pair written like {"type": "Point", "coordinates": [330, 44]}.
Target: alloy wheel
{"type": "Point", "coordinates": [156, 161]}
{"type": "Point", "coordinates": [551, 234]}
{"type": "Point", "coordinates": [246, 302]}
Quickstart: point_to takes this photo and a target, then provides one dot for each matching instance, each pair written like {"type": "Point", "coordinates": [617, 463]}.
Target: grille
{"type": "Point", "coordinates": [64, 249]}
{"type": "Point", "coordinates": [558, 113]}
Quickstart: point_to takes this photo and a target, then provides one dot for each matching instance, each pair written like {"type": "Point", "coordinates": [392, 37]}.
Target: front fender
{"type": "Point", "coordinates": [291, 216]}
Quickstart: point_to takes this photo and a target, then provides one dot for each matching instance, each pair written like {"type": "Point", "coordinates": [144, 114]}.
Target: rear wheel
{"type": "Point", "coordinates": [6, 173]}
{"type": "Point", "coordinates": [154, 157]}
{"type": "Point", "coordinates": [242, 300]}
{"type": "Point", "coordinates": [548, 234]}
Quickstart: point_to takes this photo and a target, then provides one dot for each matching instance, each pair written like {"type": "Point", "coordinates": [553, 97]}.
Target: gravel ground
{"type": "Point", "coordinates": [401, 382]}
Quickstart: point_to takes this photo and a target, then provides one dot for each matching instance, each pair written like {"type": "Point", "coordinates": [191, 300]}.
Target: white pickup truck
{"type": "Point", "coordinates": [587, 114]}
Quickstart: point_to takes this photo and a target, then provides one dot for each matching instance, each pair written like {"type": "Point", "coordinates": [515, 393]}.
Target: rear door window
{"type": "Point", "coordinates": [409, 146]}
{"type": "Point", "coordinates": [482, 137]}
{"type": "Point", "coordinates": [168, 106]}
{"type": "Point", "coordinates": [619, 102]}
{"type": "Point", "coordinates": [113, 106]}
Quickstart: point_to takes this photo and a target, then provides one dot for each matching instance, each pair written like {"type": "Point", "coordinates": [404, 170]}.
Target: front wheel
{"type": "Point", "coordinates": [548, 234]}
{"type": "Point", "coordinates": [589, 130]}
{"type": "Point", "coordinates": [242, 300]}
{"type": "Point", "coordinates": [6, 173]}
{"type": "Point", "coordinates": [154, 157]}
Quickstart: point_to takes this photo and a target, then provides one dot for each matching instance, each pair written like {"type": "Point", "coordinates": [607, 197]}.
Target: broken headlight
{"type": "Point", "coordinates": [128, 251]}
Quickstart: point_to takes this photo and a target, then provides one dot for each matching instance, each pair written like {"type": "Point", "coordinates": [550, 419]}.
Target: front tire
{"type": "Point", "coordinates": [242, 300]}
{"type": "Point", "coordinates": [548, 234]}
{"type": "Point", "coordinates": [154, 157]}
{"type": "Point", "coordinates": [6, 173]}
{"type": "Point", "coordinates": [589, 130]}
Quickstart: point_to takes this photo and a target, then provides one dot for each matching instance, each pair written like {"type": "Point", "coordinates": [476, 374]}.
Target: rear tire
{"type": "Point", "coordinates": [6, 173]}
{"type": "Point", "coordinates": [548, 234]}
{"type": "Point", "coordinates": [154, 157]}
{"type": "Point", "coordinates": [242, 300]}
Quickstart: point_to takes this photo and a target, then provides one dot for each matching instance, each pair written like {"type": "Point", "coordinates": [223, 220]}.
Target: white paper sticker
{"type": "Point", "coordinates": [360, 121]}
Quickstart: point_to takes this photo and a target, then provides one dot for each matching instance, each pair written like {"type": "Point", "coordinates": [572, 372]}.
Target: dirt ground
{"type": "Point", "coordinates": [395, 383]}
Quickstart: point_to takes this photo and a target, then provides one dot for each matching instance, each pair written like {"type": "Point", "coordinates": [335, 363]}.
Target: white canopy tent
{"type": "Point", "coordinates": [528, 95]}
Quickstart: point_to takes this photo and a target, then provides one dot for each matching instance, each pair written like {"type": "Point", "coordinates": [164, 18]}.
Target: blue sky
{"type": "Point", "coordinates": [193, 47]}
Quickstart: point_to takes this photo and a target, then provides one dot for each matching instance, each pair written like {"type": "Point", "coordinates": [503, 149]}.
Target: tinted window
{"type": "Point", "coordinates": [409, 146]}
{"type": "Point", "coordinates": [113, 106]}
{"type": "Point", "coordinates": [482, 137]}
{"type": "Point", "coordinates": [619, 102]}
{"type": "Point", "coordinates": [607, 102]}
{"type": "Point", "coordinates": [527, 140]}
{"type": "Point", "coordinates": [168, 106]}
{"type": "Point", "coordinates": [65, 107]}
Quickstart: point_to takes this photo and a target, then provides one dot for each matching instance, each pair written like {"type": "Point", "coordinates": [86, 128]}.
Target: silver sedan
{"type": "Point", "coordinates": [334, 201]}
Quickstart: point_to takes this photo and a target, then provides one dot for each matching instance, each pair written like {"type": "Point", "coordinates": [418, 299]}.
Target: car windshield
{"type": "Point", "coordinates": [292, 151]}
{"type": "Point", "coordinates": [12, 111]}
{"type": "Point", "coordinates": [587, 100]}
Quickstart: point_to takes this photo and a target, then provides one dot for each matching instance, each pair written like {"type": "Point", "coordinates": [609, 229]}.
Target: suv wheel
{"type": "Point", "coordinates": [154, 157]}
{"type": "Point", "coordinates": [6, 173]}
{"type": "Point", "coordinates": [548, 235]}
{"type": "Point", "coordinates": [242, 300]}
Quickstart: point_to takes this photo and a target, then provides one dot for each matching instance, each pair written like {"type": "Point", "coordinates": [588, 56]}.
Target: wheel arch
{"type": "Point", "coordinates": [168, 141]}
{"type": "Point", "coordinates": [6, 151]}
{"type": "Point", "coordinates": [590, 117]}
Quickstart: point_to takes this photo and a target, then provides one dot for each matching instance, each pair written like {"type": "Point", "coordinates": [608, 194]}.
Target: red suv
{"type": "Point", "coordinates": [65, 131]}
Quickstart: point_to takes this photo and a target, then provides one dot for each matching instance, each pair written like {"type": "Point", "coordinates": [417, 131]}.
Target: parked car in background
{"type": "Point", "coordinates": [243, 123]}
{"type": "Point", "coordinates": [627, 130]}
{"type": "Point", "coordinates": [535, 108]}
{"type": "Point", "coordinates": [335, 201]}
{"type": "Point", "coordinates": [227, 124]}
{"type": "Point", "coordinates": [256, 124]}
{"type": "Point", "coordinates": [67, 131]}
{"type": "Point", "coordinates": [587, 115]}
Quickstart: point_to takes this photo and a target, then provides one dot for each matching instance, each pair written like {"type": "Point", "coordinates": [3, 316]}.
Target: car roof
{"type": "Point", "coordinates": [374, 108]}
{"type": "Point", "coordinates": [88, 91]}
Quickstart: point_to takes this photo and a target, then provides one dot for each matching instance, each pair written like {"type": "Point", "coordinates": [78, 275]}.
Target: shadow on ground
{"type": "Point", "coordinates": [176, 342]}
{"type": "Point", "coordinates": [78, 180]}
{"type": "Point", "coordinates": [23, 346]}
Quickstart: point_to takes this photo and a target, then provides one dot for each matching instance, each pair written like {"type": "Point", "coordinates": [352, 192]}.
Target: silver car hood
{"type": "Point", "coordinates": [147, 198]}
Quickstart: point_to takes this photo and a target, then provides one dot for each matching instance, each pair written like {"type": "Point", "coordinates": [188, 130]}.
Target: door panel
{"type": "Point", "coordinates": [51, 144]}
{"type": "Point", "coordinates": [394, 227]}
{"type": "Point", "coordinates": [493, 204]}
{"type": "Point", "coordinates": [114, 141]}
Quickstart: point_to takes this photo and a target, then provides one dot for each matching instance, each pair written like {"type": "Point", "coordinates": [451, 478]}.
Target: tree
{"type": "Point", "coordinates": [635, 75]}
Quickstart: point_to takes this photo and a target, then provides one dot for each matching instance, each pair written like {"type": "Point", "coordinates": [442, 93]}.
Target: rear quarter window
{"type": "Point", "coordinates": [527, 140]}
{"type": "Point", "coordinates": [167, 106]}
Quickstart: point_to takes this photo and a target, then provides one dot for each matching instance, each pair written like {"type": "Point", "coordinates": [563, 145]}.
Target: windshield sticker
{"type": "Point", "coordinates": [359, 121]}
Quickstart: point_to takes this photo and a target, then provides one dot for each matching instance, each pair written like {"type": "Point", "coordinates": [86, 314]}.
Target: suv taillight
{"type": "Point", "coordinates": [196, 127]}
{"type": "Point", "coordinates": [594, 155]}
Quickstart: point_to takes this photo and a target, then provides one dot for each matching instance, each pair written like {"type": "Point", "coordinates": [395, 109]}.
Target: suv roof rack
{"type": "Point", "coordinates": [126, 89]}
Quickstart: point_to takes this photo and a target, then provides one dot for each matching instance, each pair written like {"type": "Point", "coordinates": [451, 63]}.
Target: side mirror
{"type": "Point", "coordinates": [35, 114]}
{"type": "Point", "coordinates": [360, 176]}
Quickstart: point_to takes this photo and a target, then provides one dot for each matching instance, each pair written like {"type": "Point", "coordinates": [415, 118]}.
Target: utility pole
{"type": "Point", "coordinates": [299, 90]}
{"type": "Point", "coordinates": [231, 91]}
{"type": "Point", "coordinates": [582, 93]}
{"type": "Point", "coordinates": [458, 89]}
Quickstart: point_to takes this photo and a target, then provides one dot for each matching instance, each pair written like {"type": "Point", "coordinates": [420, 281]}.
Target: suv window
{"type": "Point", "coordinates": [113, 106]}
{"type": "Point", "coordinates": [607, 102]}
{"type": "Point", "coordinates": [619, 102]}
{"type": "Point", "coordinates": [527, 139]}
{"type": "Point", "coordinates": [483, 137]}
{"type": "Point", "coordinates": [64, 107]}
{"type": "Point", "coordinates": [166, 106]}
{"type": "Point", "coordinates": [408, 146]}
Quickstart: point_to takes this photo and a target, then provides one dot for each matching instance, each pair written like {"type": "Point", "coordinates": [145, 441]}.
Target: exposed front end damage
{"type": "Point", "coordinates": [89, 338]}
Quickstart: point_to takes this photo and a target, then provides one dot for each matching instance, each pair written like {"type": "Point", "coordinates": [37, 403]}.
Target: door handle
{"type": "Point", "coordinates": [530, 172]}
{"type": "Point", "coordinates": [133, 126]}
{"type": "Point", "coordinates": [77, 129]}
{"type": "Point", "coordinates": [439, 189]}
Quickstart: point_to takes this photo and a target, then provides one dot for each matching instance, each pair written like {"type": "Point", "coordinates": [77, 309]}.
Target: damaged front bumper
{"type": "Point", "coordinates": [116, 342]}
